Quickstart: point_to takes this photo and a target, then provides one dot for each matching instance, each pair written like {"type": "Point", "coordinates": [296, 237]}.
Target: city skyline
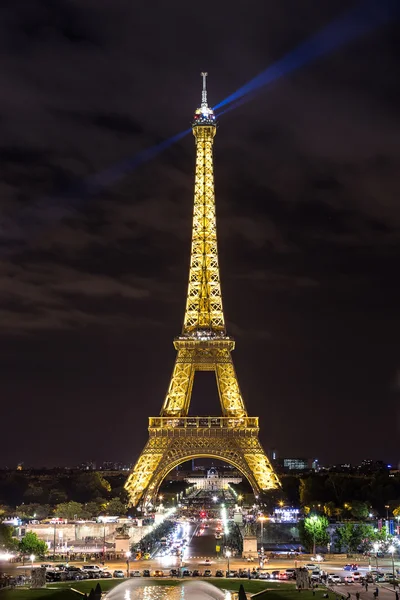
{"type": "Point", "coordinates": [308, 225]}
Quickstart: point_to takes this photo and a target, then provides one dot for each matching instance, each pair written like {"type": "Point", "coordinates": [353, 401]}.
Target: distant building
{"type": "Point", "coordinates": [296, 464]}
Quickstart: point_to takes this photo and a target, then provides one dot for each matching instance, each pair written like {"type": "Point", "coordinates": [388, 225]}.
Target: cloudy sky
{"type": "Point", "coordinates": [92, 286]}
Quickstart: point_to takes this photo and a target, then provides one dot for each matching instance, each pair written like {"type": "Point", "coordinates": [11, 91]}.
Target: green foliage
{"type": "Point", "coordinates": [31, 544]}
{"type": "Point", "coordinates": [354, 536]}
{"type": "Point", "coordinates": [360, 510]}
{"type": "Point", "coordinates": [70, 511]}
{"type": "Point", "coordinates": [116, 507]}
{"type": "Point", "coordinates": [33, 511]}
{"type": "Point", "coordinates": [7, 542]}
{"type": "Point", "coordinates": [314, 527]}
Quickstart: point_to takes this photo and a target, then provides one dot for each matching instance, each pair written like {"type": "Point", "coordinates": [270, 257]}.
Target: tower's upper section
{"type": "Point", "coordinates": [204, 315]}
{"type": "Point", "coordinates": [204, 115]}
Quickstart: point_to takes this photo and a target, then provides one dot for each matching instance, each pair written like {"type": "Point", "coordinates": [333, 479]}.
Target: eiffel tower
{"type": "Point", "coordinates": [203, 345]}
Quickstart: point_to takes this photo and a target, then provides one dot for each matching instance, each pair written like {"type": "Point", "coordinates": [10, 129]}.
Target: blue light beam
{"type": "Point", "coordinates": [360, 20]}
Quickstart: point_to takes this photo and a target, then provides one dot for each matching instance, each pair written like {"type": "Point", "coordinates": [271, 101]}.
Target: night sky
{"type": "Point", "coordinates": [307, 189]}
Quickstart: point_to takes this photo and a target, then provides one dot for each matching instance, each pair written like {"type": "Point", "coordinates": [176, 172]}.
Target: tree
{"type": "Point", "coordinates": [7, 542]}
{"type": "Point", "coordinates": [69, 510]}
{"type": "Point", "coordinates": [354, 536]}
{"type": "Point", "coordinates": [116, 507]}
{"type": "Point", "coordinates": [314, 531]}
{"type": "Point", "coordinates": [360, 510]}
{"type": "Point", "coordinates": [33, 511]}
{"type": "Point", "coordinates": [31, 544]}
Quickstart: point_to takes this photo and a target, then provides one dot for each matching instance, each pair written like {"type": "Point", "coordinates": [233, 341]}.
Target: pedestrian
{"type": "Point", "coordinates": [397, 595]}
{"type": "Point", "coordinates": [376, 592]}
{"type": "Point", "coordinates": [366, 586]}
{"type": "Point", "coordinates": [358, 595]}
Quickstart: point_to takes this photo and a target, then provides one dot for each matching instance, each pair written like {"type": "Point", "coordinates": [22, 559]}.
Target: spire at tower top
{"type": "Point", "coordinates": [204, 92]}
{"type": "Point", "coordinates": [204, 115]}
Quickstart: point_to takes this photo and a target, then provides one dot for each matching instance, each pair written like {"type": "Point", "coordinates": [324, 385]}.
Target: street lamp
{"type": "Point", "coordinates": [376, 548]}
{"type": "Point", "coordinates": [228, 555]}
{"type": "Point", "coordinates": [128, 555]}
{"type": "Point", "coordinates": [314, 520]}
{"type": "Point", "coordinates": [391, 550]}
{"type": "Point", "coordinates": [32, 558]}
{"type": "Point", "coordinates": [261, 518]}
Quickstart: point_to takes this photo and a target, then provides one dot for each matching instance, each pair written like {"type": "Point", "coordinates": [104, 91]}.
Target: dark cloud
{"type": "Point", "coordinates": [93, 278]}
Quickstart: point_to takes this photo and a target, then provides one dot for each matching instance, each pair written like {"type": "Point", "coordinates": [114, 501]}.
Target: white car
{"type": "Point", "coordinates": [317, 558]}
{"type": "Point", "coordinates": [315, 575]}
{"type": "Point", "coordinates": [357, 576]}
{"type": "Point", "coordinates": [334, 578]}
{"type": "Point", "coordinates": [92, 568]}
{"type": "Point", "coordinates": [309, 567]}
{"type": "Point", "coordinates": [349, 578]}
{"type": "Point", "coordinates": [135, 574]}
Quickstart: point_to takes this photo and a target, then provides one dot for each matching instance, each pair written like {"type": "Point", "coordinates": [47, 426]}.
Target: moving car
{"type": "Point", "coordinates": [334, 578]}
{"type": "Point", "coordinates": [317, 558]}
{"type": "Point", "coordinates": [351, 567]}
{"type": "Point", "coordinates": [316, 575]}
{"type": "Point", "coordinates": [309, 567]}
{"type": "Point", "coordinates": [357, 576]}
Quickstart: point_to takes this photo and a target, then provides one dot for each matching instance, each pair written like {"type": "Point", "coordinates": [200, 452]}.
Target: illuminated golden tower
{"type": "Point", "coordinates": [202, 346]}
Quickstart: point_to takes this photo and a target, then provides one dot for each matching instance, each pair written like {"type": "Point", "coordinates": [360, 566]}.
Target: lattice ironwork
{"type": "Point", "coordinates": [203, 346]}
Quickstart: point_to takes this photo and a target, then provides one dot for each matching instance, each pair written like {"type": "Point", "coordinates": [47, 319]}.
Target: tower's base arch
{"type": "Point", "coordinates": [174, 441]}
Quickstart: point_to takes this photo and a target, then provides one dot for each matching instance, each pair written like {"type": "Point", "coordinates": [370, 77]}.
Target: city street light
{"type": "Point", "coordinates": [261, 518]}
{"type": "Point", "coordinates": [314, 520]}
{"type": "Point", "coordinates": [128, 555]}
{"type": "Point", "coordinates": [228, 555]}
{"type": "Point", "coordinates": [32, 558]}
{"type": "Point", "coordinates": [376, 548]}
{"type": "Point", "coordinates": [391, 550]}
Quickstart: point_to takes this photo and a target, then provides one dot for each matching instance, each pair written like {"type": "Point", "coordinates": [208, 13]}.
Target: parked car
{"type": "Point", "coordinates": [263, 575]}
{"type": "Point", "coordinates": [174, 573]}
{"type": "Point", "coordinates": [219, 573]}
{"type": "Point", "coordinates": [91, 568]}
{"type": "Point", "coordinates": [118, 573]}
{"type": "Point", "coordinates": [291, 573]}
{"type": "Point", "coordinates": [158, 573]}
{"type": "Point", "coordinates": [186, 573]}
{"type": "Point", "coordinates": [316, 575]}
{"type": "Point", "coordinates": [283, 576]}
{"type": "Point", "coordinates": [106, 574]}
{"type": "Point", "coordinates": [207, 573]}
{"type": "Point", "coordinates": [146, 573]}
{"type": "Point", "coordinates": [231, 573]}
{"type": "Point", "coordinates": [135, 573]}
{"type": "Point", "coordinates": [196, 573]}
{"type": "Point", "coordinates": [274, 574]}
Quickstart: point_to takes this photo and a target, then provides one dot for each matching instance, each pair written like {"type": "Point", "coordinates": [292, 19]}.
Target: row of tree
{"type": "Point", "coordinates": [345, 537]}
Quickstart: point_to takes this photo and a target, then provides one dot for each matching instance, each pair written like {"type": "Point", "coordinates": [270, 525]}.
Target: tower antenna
{"type": "Point", "coordinates": [204, 92]}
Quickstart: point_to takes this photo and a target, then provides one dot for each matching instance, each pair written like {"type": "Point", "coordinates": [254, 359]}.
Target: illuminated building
{"type": "Point", "coordinates": [203, 345]}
